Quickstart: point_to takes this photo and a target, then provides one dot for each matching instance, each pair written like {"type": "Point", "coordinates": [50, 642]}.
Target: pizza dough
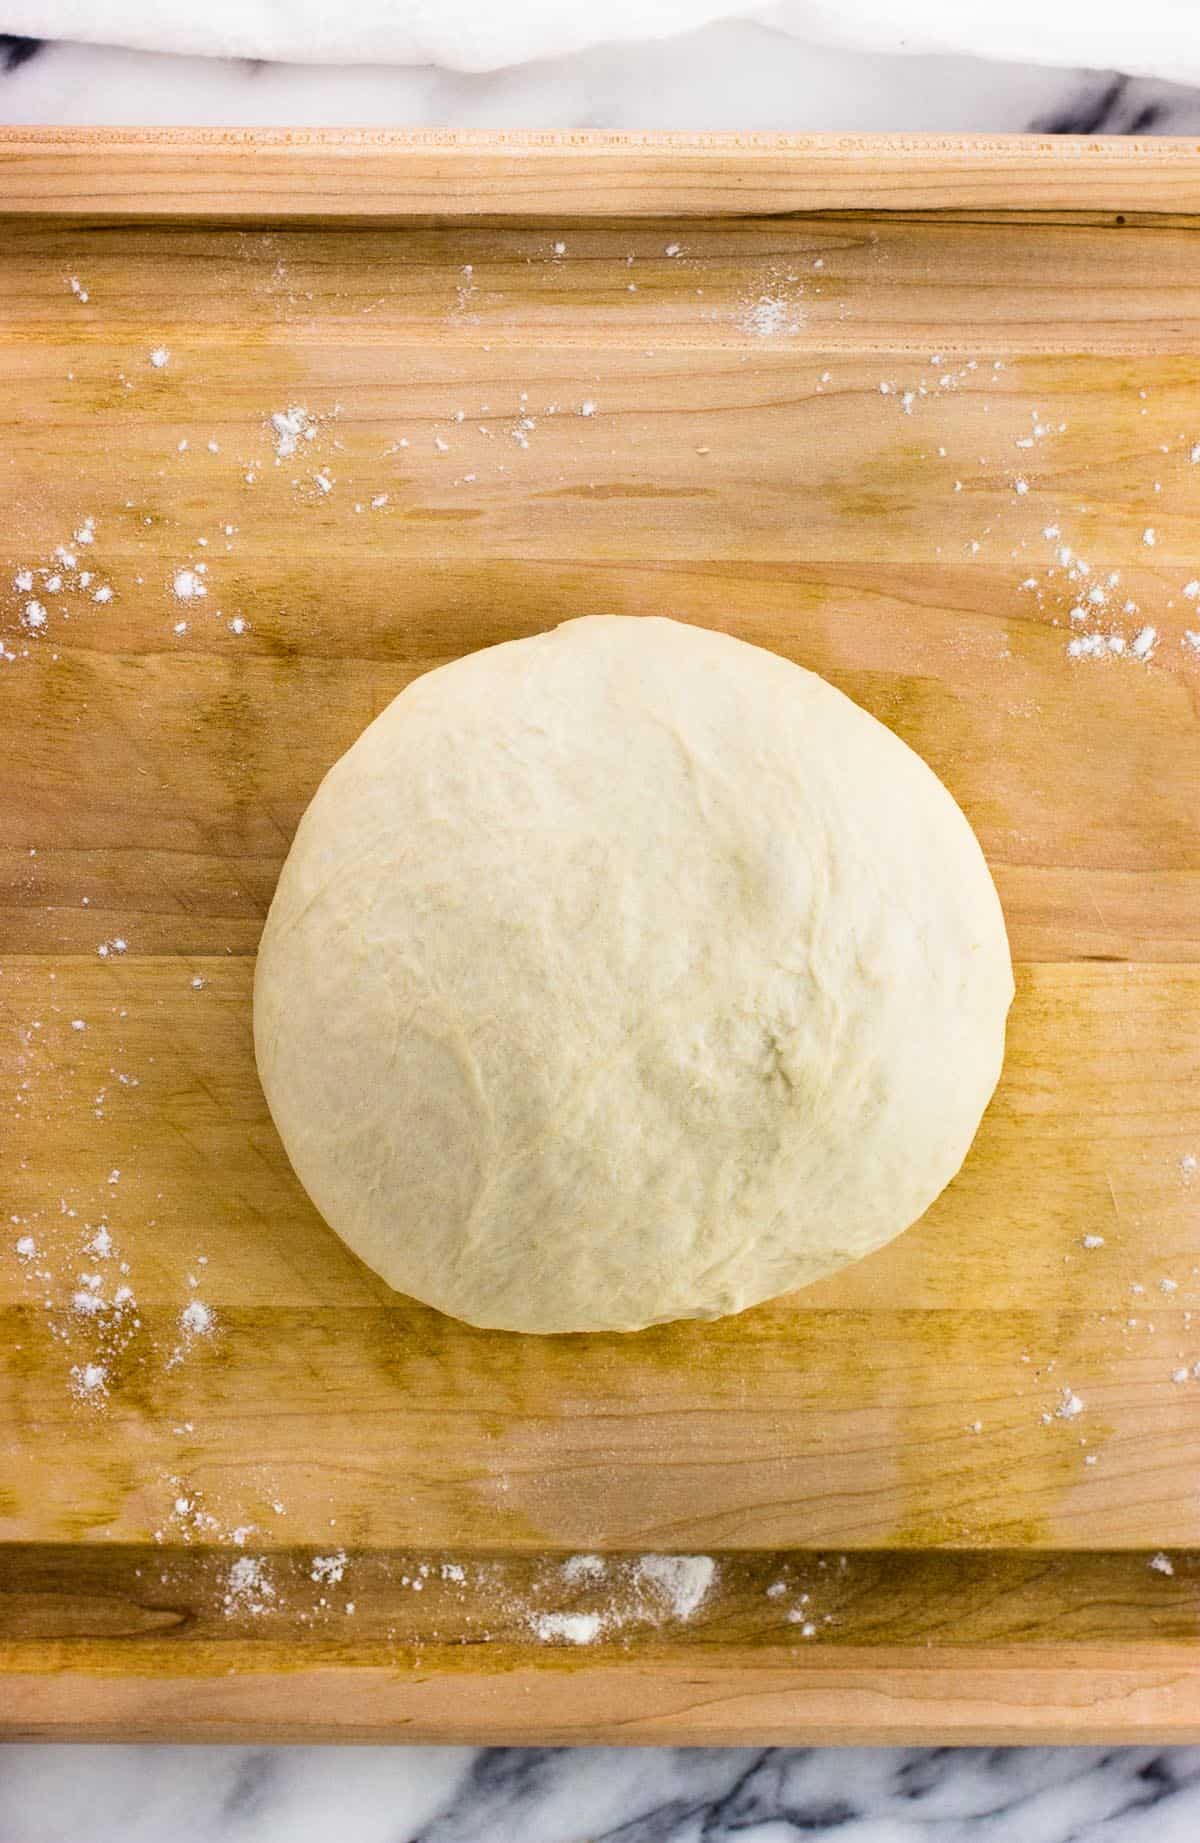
{"type": "Point", "coordinates": [627, 973]}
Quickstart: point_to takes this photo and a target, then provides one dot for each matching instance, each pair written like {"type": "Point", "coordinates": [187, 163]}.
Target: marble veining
{"type": "Point", "coordinates": [726, 77]}
{"type": "Point", "coordinates": [598, 1795]}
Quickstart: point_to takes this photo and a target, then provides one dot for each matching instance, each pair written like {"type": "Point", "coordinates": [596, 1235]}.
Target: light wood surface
{"type": "Point", "coordinates": [263, 174]}
{"type": "Point", "coordinates": [900, 1443]}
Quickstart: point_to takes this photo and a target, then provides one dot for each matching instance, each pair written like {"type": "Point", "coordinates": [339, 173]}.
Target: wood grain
{"type": "Point", "coordinates": [877, 436]}
{"type": "Point", "coordinates": [910, 1646]}
{"type": "Point", "coordinates": [265, 174]}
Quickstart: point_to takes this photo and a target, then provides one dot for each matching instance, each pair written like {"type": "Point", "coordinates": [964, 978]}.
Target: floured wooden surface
{"type": "Point", "coordinates": [298, 467]}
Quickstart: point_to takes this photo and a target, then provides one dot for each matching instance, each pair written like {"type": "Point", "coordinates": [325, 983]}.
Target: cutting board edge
{"type": "Point", "coordinates": [1148, 1693]}
{"type": "Point", "coordinates": [397, 175]}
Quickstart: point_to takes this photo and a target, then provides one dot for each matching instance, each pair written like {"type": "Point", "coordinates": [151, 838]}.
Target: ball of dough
{"type": "Point", "coordinates": [627, 973]}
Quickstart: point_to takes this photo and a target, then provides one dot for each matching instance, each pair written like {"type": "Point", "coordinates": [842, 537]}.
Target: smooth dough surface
{"type": "Point", "coordinates": [627, 973]}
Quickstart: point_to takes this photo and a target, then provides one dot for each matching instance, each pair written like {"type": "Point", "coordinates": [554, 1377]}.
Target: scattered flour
{"type": "Point", "coordinates": [769, 316]}
{"type": "Point", "coordinates": [249, 1588]}
{"type": "Point", "coordinates": [639, 1591]}
{"type": "Point", "coordinates": [188, 584]}
{"type": "Point", "coordinates": [290, 427]}
{"type": "Point", "coordinates": [1161, 1564]}
{"type": "Point", "coordinates": [584, 1568]}
{"type": "Point", "coordinates": [566, 1628]}
{"type": "Point", "coordinates": [683, 1580]}
{"type": "Point", "coordinates": [328, 1569]}
{"type": "Point", "coordinates": [89, 1381]}
{"type": "Point", "coordinates": [197, 1319]}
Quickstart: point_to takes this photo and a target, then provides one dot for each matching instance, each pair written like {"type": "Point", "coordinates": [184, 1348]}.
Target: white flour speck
{"type": "Point", "coordinates": [566, 1628]}
{"type": "Point", "coordinates": [770, 316]}
{"type": "Point", "coordinates": [187, 585]}
{"type": "Point", "coordinates": [197, 1318]}
{"type": "Point", "coordinates": [329, 1568]}
{"type": "Point", "coordinates": [683, 1580]}
{"type": "Point", "coordinates": [249, 1588]}
{"type": "Point", "coordinates": [160, 357]}
{"type": "Point", "coordinates": [583, 1568]}
{"type": "Point", "coordinates": [1161, 1563]}
{"type": "Point", "coordinates": [89, 1381]}
{"type": "Point", "coordinates": [289, 426]}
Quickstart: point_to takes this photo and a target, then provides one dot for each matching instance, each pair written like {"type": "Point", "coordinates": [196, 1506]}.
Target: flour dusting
{"type": "Point", "coordinates": [683, 1580]}
{"type": "Point", "coordinates": [566, 1628]}
{"type": "Point", "coordinates": [769, 316]}
{"type": "Point", "coordinates": [328, 1569]}
{"type": "Point", "coordinates": [583, 1568]}
{"type": "Point", "coordinates": [290, 427]}
{"type": "Point", "coordinates": [197, 1319]}
{"type": "Point", "coordinates": [89, 1381]}
{"type": "Point", "coordinates": [249, 1588]}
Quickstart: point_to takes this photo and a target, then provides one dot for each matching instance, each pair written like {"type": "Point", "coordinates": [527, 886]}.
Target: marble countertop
{"type": "Point", "coordinates": [726, 77]}
{"type": "Point", "coordinates": [735, 76]}
{"type": "Point", "coordinates": [598, 1795]}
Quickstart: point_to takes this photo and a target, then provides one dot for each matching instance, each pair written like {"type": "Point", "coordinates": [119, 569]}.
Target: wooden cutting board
{"type": "Point", "coordinates": [872, 404]}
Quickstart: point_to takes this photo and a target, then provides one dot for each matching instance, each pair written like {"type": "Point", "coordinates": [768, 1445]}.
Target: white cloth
{"type": "Point", "coordinates": [1151, 38]}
